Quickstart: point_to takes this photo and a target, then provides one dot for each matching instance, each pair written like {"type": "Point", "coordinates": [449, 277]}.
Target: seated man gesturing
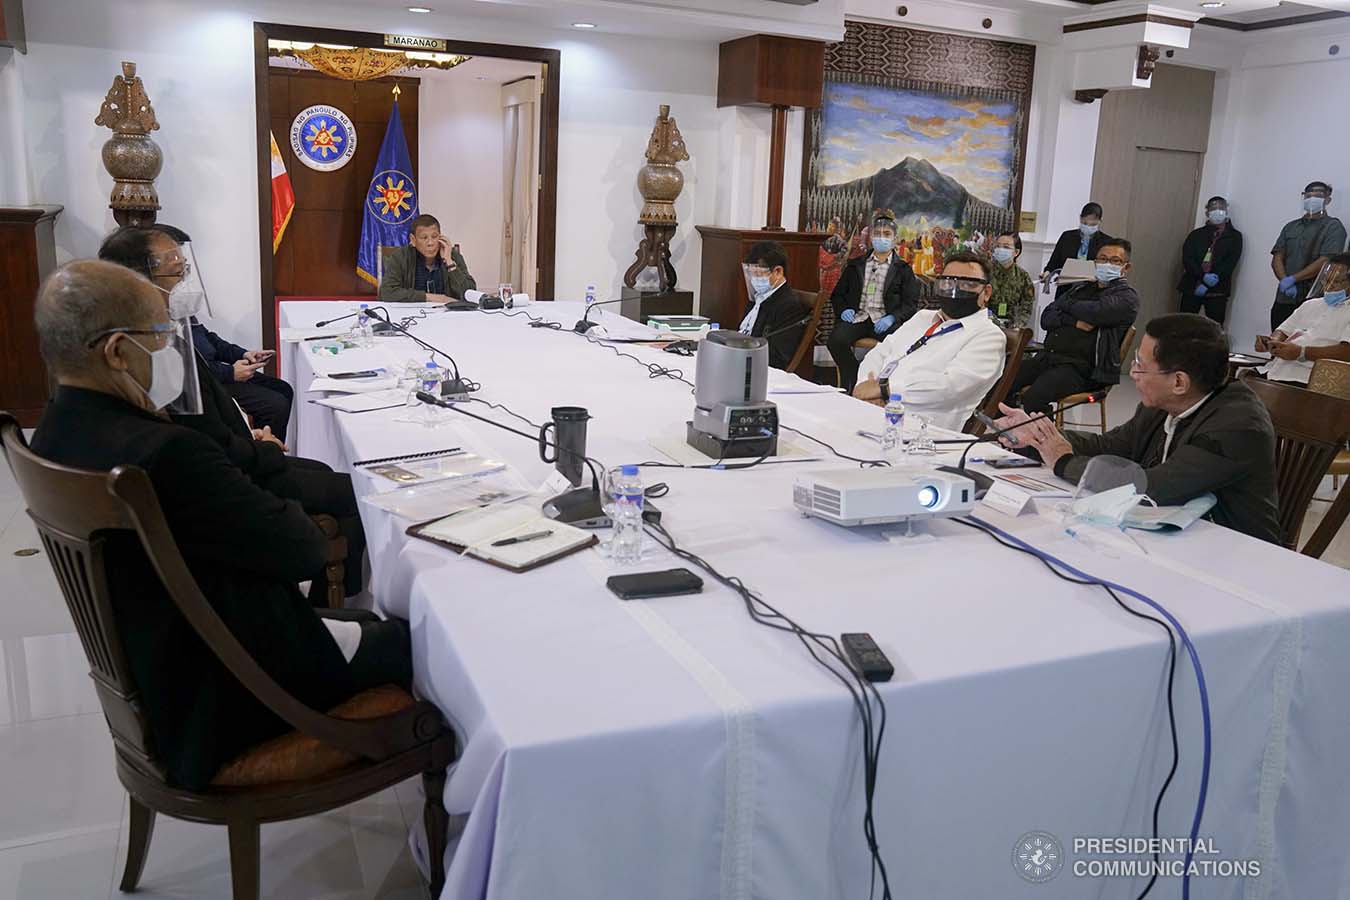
{"type": "Point", "coordinates": [107, 339]}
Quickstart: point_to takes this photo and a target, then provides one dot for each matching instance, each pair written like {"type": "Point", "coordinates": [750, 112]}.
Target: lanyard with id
{"type": "Point", "coordinates": [928, 337]}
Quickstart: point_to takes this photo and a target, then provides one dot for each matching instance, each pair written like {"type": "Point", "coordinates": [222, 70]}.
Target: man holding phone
{"type": "Point", "coordinates": [430, 269]}
{"type": "Point", "coordinates": [1319, 328]}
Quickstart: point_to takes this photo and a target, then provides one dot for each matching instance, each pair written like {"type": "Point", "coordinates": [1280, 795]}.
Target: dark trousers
{"type": "Point", "coordinates": [1046, 377]}
{"type": "Point", "coordinates": [321, 491]}
{"type": "Point", "coordinates": [1215, 307]}
{"type": "Point", "coordinates": [1281, 311]}
{"type": "Point", "coordinates": [384, 655]}
{"type": "Point", "coordinates": [266, 399]}
{"type": "Point", "coordinates": [841, 347]}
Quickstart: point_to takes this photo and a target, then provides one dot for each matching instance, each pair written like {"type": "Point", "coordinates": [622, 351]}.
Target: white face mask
{"type": "Point", "coordinates": [1314, 205]}
{"type": "Point", "coordinates": [1107, 507]}
{"type": "Point", "coordinates": [1003, 254]}
{"type": "Point", "coordinates": [1218, 216]}
{"type": "Point", "coordinates": [166, 375]}
{"type": "Point", "coordinates": [184, 301]}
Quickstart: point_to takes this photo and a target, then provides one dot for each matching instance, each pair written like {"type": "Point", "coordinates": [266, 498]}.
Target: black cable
{"type": "Point", "coordinates": [654, 370]}
{"type": "Point", "coordinates": [864, 463]}
{"type": "Point", "coordinates": [506, 409]}
{"type": "Point", "coordinates": [1171, 675]}
{"type": "Point", "coordinates": [862, 691]}
{"type": "Point", "coordinates": [535, 321]}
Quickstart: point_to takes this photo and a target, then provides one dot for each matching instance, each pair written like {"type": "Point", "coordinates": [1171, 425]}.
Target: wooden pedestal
{"type": "Point", "coordinates": [721, 295]}
{"type": "Point", "coordinates": [27, 255]}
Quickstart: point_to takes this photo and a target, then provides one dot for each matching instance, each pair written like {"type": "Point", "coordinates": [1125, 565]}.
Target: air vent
{"type": "Point", "coordinates": [826, 500]}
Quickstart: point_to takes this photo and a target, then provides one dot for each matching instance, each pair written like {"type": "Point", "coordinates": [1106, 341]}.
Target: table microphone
{"type": "Point", "coordinates": [982, 481]}
{"type": "Point", "coordinates": [456, 385]}
{"type": "Point", "coordinates": [788, 327]}
{"type": "Point", "coordinates": [584, 324]}
{"type": "Point", "coordinates": [338, 319]}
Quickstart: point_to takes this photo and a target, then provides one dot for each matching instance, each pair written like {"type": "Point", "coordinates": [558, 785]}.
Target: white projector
{"type": "Point", "coordinates": [881, 496]}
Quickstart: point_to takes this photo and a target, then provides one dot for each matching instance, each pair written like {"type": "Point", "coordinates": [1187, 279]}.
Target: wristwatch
{"type": "Point", "coordinates": [1302, 354]}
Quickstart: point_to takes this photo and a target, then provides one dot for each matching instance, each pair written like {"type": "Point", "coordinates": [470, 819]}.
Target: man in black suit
{"type": "Point", "coordinates": [1209, 257]}
{"type": "Point", "coordinates": [875, 295]}
{"type": "Point", "coordinates": [258, 453]}
{"type": "Point", "coordinates": [107, 339]}
{"type": "Point", "coordinates": [775, 312]}
{"type": "Point", "coordinates": [1082, 242]}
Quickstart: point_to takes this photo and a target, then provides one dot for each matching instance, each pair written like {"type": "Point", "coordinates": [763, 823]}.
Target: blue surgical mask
{"type": "Point", "coordinates": [1089, 230]}
{"type": "Point", "coordinates": [1217, 216]}
{"type": "Point", "coordinates": [883, 244]}
{"type": "Point", "coordinates": [1106, 272]}
{"type": "Point", "coordinates": [1003, 254]}
{"type": "Point", "coordinates": [760, 285]}
{"type": "Point", "coordinates": [1314, 205]}
{"type": "Point", "coordinates": [1334, 298]}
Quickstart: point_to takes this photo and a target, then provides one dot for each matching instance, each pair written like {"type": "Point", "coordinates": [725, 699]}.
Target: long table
{"type": "Point", "coordinates": [673, 749]}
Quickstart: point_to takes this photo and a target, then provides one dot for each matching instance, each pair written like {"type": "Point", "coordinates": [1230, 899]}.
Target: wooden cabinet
{"type": "Point", "coordinates": [721, 293]}
{"type": "Point", "coordinates": [27, 255]}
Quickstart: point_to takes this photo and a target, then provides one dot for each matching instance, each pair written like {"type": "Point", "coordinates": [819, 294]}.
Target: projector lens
{"type": "Point", "coordinates": [928, 497]}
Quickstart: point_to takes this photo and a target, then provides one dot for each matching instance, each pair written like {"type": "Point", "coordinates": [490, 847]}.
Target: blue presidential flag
{"type": "Point", "coordinates": [391, 201]}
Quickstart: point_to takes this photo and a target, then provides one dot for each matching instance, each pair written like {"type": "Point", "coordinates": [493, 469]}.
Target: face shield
{"type": "Point", "coordinates": [757, 287]}
{"type": "Point", "coordinates": [1331, 283]}
{"type": "Point", "coordinates": [187, 297]}
{"type": "Point", "coordinates": [173, 386]}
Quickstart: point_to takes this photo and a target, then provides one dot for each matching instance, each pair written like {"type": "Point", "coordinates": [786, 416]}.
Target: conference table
{"type": "Point", "coordinates": [672, 748]}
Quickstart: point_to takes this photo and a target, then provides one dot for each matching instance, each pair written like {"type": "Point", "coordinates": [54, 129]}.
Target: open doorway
{"type": "Point", "coordinates": [480, 124]}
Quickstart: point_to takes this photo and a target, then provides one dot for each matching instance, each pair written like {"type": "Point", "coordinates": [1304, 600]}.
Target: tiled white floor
{"type": "Point", "coordinates": [63, 813]}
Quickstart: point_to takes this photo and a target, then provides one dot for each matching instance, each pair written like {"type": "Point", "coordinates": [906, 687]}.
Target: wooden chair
{"type": "Point", "coordinates": [1310, 429]}
{"type": "Point", "coordinates": [370, 742]}
{"type": "Point", "coordinates": [335, 568]}
{"type": "Point", "coordinates": [1017, 340]}
{"type": "Point", "coordinates": [804, 355]}
{"type": "Point", "coordinates": [1125, 346]}
{"type": "Point", "coordinates": [1331, 376]}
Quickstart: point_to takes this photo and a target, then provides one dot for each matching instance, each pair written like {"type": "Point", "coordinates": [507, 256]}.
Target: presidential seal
{"type": "Point", "coordinates": [1038, 856]}
{"type": "Point", "coordinates": [323, 138]}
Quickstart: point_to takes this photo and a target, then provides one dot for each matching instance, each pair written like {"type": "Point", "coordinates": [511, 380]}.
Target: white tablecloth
{"type": "Point", "coordinates": [673, 749]}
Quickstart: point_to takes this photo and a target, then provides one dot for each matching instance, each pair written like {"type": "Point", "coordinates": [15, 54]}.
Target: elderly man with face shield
{"type": "Point", "coordinates": [876, 294]}
{"type": "Point", "coordinates": [120, 362]}
{"type": "Point", "coordinates": [1318, 329]}
{"type": "Point", "coordinates": [941, 365]}
{"type": "Point", "coordinates": [258, 453]}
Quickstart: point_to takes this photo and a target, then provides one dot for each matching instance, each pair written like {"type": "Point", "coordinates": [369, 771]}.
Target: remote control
{"type": "Point", "coordinates": [867, 657]}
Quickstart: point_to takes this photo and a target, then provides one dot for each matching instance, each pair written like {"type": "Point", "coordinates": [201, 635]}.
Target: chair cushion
{"type": "Point", "coordinates": [1341, 464]}
{"type": "Point", "coordinates": [296, 757]}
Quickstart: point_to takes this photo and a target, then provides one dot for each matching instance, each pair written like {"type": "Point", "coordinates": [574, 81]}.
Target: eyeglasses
{"type": "Point", "coordinates": [947, 284]}
{"type": "Point", "coordinates": [163, 328]}
{"type": "Point", "coordinates": [1137, 368]}
{"type": "Point", "coordinates": [1113, 260]}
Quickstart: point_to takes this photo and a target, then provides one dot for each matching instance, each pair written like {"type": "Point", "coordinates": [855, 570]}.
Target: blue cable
{"type": "Point", "coordinates": [1195, 662]}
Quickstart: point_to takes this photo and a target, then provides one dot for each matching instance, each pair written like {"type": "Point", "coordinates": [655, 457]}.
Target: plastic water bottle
{"type": "Point", "coordinates": [892, 439]}
{"type": "Point", "coordinates": [366, 333]}
{"type": "Point", "coordinates": [590, 298]}
{"type": "Point", "coordinates": [626, 544]}
{"type": "Point", "coordinates": [431, 384]}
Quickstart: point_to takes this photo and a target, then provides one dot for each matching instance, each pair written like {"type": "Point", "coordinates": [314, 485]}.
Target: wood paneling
{"type": "Point", "coordinates": [11, 25]}
{"type": "Point", "coordinates": [764, 70]}
{"type": "Point", "coordinates": [721, 294]}
{"type": "Point", "coordinates": [318, 253]}
{"type": "Point", "coordinates": [27, 255]}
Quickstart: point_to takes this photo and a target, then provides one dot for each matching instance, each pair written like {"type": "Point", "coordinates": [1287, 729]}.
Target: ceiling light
{"type": "Point", "coordinates": [419, 9]}
{"type": "Point", "coordinates": [482, 78]}
{"type": "Point", "coordinates": [1212, 4]}
{"type": "Point", "coordinates": [583, 24]}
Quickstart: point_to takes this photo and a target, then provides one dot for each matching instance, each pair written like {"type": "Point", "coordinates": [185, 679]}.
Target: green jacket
{"type": "Point", "coordinates": [400, 270]}
{"type": "Point", "coordinates": [1014, 298]}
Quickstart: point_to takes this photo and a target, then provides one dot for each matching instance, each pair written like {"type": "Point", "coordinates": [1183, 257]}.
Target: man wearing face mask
{"type": "Point", "coordinates": [1318, 329]}
{"type": "Point", "coordinates": [1084, 327]}
{"type": "Point", "coordinates": [875, 295]}
{"type": "Point", "coordinates": [1302, 249]}
{"type": "Point", "coordinates": [1193, 433]}
{"type": "Point", "coordinates": [1082, 242]}
{"type": "Point", "coordinates": [1209, 256]}
{"type": "Point", "coordinates": [118, 360]}
{"type": "Point", "coordinates": [257, 452]}
{"type": "Point", "coordinates": [941, 365]}
{"type": "Point", "coordinates": [1014, 298]}
{"type": "Point", "coordinates": [775, 312]}
{"type": "Point", "coordinates": [266, 399]}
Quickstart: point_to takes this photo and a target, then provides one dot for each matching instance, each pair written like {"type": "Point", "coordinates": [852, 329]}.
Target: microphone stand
{"type": "Point", "coordinates": [982, 481]}
{"type": "Point", "coordinates": [584, 324]}
{"type": "Point", "coordinates": [338, 319]}
{"type": "Point", "coordinates": [457, 385]}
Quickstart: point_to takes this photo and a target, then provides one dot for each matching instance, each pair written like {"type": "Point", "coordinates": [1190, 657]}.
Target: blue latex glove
{"type": "Point", "coordinates": [1201, 290]}
{"type": "Point", "coordinates": [883, 324]}
{"type": "Point", "coordinates": [1288, 287]}
{"type": "Point", "coordinates": [848, 315]}
{"type": "Point", "coordinates": [1210, 279]}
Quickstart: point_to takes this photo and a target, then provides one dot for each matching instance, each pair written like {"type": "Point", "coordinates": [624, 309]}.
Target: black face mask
{"type": "Point", "coordinates": [960, 304]}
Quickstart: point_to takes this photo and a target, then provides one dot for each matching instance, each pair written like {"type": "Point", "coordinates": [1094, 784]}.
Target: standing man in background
{"type": "Point", "coordinates": [429, 270]}
{"type": "Point", "coordinates": [1302, 249]}
{"type": "Point", "coordinates": [1209, 256]}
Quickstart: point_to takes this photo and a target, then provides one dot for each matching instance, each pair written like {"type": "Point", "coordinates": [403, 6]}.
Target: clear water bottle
{"type": "Point", "coordinates": [626, 545]}
{"type": "Point", "coordinates": [431, 383]}
{"type": "Point", "coordinates": [590, 297]}
{"type": "Point", "coordinates": [365, 333]}
{"type": "Point", "coordinates": [892, 439]}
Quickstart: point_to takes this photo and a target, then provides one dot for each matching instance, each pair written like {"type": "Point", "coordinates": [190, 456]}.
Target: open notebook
{"type": "Point", "coordinates": [473, 532]}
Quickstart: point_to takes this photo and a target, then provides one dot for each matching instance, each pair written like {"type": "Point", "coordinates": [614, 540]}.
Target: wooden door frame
{"type": "Point", "coordinates": [547, 217]}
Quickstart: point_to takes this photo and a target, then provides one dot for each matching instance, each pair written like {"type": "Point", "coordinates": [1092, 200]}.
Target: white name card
{"type": "Point", "coordinates": [1005, 498]}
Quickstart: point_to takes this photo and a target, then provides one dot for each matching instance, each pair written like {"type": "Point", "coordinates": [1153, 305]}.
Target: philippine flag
{"type": "Point", "coordinates": [283, 196]}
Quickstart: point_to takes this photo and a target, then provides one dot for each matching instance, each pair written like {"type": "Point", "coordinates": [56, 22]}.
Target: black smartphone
{"type": "Point", "coordinates": [642, 585]}
{"type": "Point", "coordinates": [368, 373]}
{"type": "Point", "coordinates": [1016, 462]}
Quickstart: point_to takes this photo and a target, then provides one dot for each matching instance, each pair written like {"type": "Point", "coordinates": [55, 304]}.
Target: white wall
{"type": "Point", "coordinates": [459, 124]}
{"type": "Point", "coordinates": [13, 152]}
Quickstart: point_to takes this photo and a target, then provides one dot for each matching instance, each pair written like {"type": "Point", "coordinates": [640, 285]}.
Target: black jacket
{"type": "Point", "coordinates": [1067, 247]}
{"type": "Point", "coordinates": [1227, 252]}
{"type": "Point", "coordinates": [222, 422]}
{"type": "Point", "coordinates": [245, 547]}
{"type": "Point", "coordinates": [1227, 447]}
{"type": "Point", "coordinates": [779, 311]}
{"type": "Point", "coordinates": [219, 354]}
{"type": "Point", "coordinates": [900, 293]}
{"type": "Point", "coordinates": [1112, 309]}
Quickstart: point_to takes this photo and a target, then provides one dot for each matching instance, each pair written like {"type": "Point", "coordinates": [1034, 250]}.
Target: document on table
{"type": "Point", "coordinates": [328, 357]}
{"type": "Point", "coordinates": [364, 402]}
{"type": "Point", "coordinates": [441, 498]}
{"type": "Point", "coordinates": [474, 532]}
{"type": "Point", "coordinates": [380, 383]}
